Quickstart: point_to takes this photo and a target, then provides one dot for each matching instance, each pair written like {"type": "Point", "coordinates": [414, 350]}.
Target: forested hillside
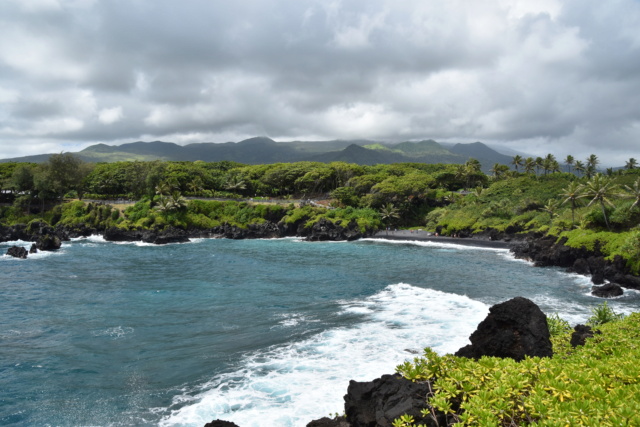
{"type": "Point", "coordinates": [585, 207]}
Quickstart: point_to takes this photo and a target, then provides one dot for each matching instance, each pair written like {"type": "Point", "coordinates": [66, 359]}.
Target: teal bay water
{"type": "Point", "coordinates": [259, 332]}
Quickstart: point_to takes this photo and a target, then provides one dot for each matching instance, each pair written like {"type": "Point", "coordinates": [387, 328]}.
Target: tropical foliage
{"type": "Point", "coordinates": [595, 384]}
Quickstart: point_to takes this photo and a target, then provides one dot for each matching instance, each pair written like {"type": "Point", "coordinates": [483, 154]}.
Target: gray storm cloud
{"type": "Point", "coordinates": [538, 76]}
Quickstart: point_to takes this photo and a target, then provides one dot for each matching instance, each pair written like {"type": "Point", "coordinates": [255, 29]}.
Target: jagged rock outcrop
{"type": "Point", "coordinates": [546, 252]}
{"type": "Point", "coordinates": [377, 403]}
{"type": "Point", "coordinates": [608, 290]}
{"type": "Point", "coordinates": [17, 252]}
{"type": "Point", "coordinates": [515, 329]}
{"type": "Point", "coordinates": [220, 423]}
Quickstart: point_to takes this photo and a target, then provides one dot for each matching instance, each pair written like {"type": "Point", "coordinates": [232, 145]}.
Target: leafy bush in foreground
{"type": "Point", "coordinates": [597, 384]}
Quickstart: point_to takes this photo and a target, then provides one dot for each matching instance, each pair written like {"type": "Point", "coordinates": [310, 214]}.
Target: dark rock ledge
{"type": "Point", "coordinates": [545, 252]}
{"type": "Point", "coordinates": [48, 238]}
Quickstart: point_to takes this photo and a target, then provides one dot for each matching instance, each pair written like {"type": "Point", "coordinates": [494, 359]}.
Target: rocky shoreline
{"type": "Point", "coordinates": [513, 329]}
{"type": "Point", "coordinates": [51, 238]}
{"type": "Point", "coordinates": [609, 277]}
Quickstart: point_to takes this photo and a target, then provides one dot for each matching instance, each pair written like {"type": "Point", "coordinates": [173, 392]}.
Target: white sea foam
{"type": "Point", "coordinates": [439, 245]}
{"type": "Point", "coordinates": [96, 238]}
{"type": "Point", "coordinates": [17, 243]}
{"type": "Point", "coordinates": [291, 320]}
{"type": "Point", "coordinates": [293, 384]}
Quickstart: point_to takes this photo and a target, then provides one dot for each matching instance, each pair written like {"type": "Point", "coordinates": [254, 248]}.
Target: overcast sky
{"type": "Point", "coordinates": [534, 75]}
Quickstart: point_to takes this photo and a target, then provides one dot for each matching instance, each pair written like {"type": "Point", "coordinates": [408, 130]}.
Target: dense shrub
{"type": "Point", "coordinates": [597, 384]}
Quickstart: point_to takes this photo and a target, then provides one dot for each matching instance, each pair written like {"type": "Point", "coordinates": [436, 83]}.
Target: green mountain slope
{"type": "Point", "coordinates": [262, 150]}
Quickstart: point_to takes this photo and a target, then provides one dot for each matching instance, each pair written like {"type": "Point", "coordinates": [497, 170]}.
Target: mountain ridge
{"type": "Point", "coordinates": [262, 150]}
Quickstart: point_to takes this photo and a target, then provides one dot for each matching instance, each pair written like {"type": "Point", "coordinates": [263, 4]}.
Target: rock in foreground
{"type": "Point", "coordinates": [515, 329]}
{"type": "Point", "coordinates": [379, 402]}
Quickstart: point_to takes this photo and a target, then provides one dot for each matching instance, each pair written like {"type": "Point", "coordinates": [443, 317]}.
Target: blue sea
{"type": "Point", "coordinates": [258, 332]}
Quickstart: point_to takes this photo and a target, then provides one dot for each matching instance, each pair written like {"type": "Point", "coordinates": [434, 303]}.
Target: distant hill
{"type": "Point", "coordinates": [261, 150]}
{"type": "Point", "coordinates": [481, 152]}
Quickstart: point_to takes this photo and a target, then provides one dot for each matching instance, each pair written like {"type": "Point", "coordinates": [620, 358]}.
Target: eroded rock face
{"type": "Point", "coordinates": [609, 290]}
{"type": "Point", "coordinates": [377, 403]}
{"type": "Point", "coordinates": [17, 252]}
{"type": "Point", "coordinates": [515, 329]}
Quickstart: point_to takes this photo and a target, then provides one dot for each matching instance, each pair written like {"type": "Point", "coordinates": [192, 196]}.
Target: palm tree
{"type": "Point", "coordinates": [539, 162]}
{"type": "Point", "coordinates": [517, 161]}
{"type": "Point", "coordinates": [569, 160]}
{"type": "Point", "coordinates": [466, 171]}
{"type": "Point", "coordinates": [548, 163]}
{"type": "Point", "coordinates": [529, 165]}
{"type": "Point", "coordinates": [177, 201]}
{"type": "Point", "coordinates": [600, 189]}
{"type": "Point", "coordinates": [196, 185]}
{"type": "Point", "coordinates": [388, 213]}
{"type": "Point", "coordinates": [499, 170]}
{"type": "Point", "coordinates": [573, 193]}
{"type": "Point", "coordinates": [551, 207]}
{"type": "Point", "coordinates": [163, 188]}
{"type": "Point", "coordinates": [235, 183]}
{"type": "Point", "coordinates": [592, 165]}
{"type": "Point", "coordinates": [634, 192]}
{"type": "Point", "coordinates": [631, 164]}
{"type": "Point", "coordinates": [473, 165]}
{"type": "Point", "coordinates": [579, 167]}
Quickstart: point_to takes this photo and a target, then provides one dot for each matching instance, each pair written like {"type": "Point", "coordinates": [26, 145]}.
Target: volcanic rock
{"type": "Point", "coordinates": [48, 242]}
{"type": "Point", "coordinates": [515, 329]}
{"type": "Point", "coordinates": [220, 423]}
{"type": "Point", "coordinates": [609, 290]}
{"type": "Point", "coordinates": [329, 422]}
{"type": "Point", "coordinates": [377, 403]}
{"type": "Point", "coordinates": [17, 252]}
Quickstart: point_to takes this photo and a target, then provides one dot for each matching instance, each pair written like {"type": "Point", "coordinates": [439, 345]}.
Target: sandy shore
{"type": "Point", "coordinates": [429, 237]}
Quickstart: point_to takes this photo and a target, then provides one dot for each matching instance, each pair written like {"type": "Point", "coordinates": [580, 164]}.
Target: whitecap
{"type": "Point", "coordinates": [290, 385]}
{"type": "Point", "coordinates": [439, 245]}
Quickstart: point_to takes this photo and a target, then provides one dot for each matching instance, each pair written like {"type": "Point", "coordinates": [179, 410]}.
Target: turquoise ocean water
{"type": "Point", "coordinates": [259, 332]}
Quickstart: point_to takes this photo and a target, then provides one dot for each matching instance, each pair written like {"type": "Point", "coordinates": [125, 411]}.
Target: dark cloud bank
{"type": "Point", "coordinates": [536, 76]}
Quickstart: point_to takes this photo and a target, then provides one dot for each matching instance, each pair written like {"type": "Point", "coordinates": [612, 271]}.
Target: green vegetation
{"type": "Point", "coordinates": [597, 384]}
{"type": "Point", "coordinates": [581, 208]}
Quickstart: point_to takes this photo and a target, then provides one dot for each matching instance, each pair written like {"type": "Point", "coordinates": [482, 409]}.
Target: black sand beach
{"type": "Point", "coordinates": [426, 236]}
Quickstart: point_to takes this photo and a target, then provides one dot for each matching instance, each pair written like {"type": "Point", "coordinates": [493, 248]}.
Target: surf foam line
{"type": "Point", "coordinates": [441, 245]}
{"type": "Point", "coordinates": [293, 384]}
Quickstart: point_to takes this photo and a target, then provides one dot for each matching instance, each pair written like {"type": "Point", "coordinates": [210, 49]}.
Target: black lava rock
{"type": "Point", "coordinates": [515, 329]}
